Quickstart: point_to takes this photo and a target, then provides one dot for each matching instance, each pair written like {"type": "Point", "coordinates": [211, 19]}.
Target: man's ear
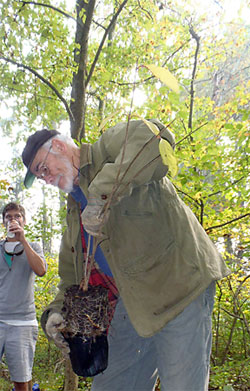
{"type": "Point", "coordinates": [58, 146]}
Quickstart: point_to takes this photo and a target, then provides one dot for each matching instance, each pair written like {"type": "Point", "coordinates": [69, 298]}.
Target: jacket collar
{"type": "Point", "coordinates": [85, 163]}
{"type": "Point", "coordinates": [85, 155]}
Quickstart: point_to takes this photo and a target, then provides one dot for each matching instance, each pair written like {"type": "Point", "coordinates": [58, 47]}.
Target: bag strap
{"type": "Point", "coordinates": [99, 278]}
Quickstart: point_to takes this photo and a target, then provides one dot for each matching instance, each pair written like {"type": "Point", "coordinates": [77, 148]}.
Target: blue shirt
{"type": "Point", "coordinates": [78, 196]}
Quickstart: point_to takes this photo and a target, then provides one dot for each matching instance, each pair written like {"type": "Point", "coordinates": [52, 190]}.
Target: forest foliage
{"type": "Point", "coordinates": [83, 68]}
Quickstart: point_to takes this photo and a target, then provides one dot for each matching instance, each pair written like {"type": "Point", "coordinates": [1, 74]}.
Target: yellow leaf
{"type": "Point", "coordinates": [151, 126]}
{"type": "Point", "coordinates": [198, 195]}
{"type": "Point", "coordinates": [166, 151]}
{"type": "Point", "coordinates": [168, 158]}
{"type": "Point", "coordinates": [106, 120]}
{"type": "Point", "coordinates": [165, 76]}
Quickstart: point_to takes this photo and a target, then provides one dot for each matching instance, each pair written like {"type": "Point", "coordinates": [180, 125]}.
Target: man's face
{"type": "Point", "coordinates": [54, 169]}
{"type": "Point", "coordinates": [13, 214]}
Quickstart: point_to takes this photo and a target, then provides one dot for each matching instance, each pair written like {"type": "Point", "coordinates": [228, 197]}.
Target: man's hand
{"type": "Point", "coordinates": [54, 325]}
{"type": "Point", "coordinates": [94, 216]}
{"type": "Point", "coordinates": [18, 230]}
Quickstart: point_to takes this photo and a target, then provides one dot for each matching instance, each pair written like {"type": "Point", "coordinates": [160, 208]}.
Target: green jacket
{"type": "Point", "coordinates": [159, 254]}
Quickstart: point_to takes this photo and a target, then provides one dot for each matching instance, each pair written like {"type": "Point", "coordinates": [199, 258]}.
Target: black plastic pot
{"type": "Point", "coordinates": [88, 358]}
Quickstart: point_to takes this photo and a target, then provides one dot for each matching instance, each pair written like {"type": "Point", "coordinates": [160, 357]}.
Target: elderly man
{"type": "Point", "coordinates": [20, 262]}
{"type": "Point", "coordinates": [163, 263]}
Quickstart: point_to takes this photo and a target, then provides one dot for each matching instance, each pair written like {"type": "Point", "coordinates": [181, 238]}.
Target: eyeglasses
{"type": "Point", "coordinates": [43, 170]}
{"type": "Point", "coordinates": [17, 216]}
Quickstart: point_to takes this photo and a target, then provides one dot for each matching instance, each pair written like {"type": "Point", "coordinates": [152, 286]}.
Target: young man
{"type": "Point", "coordinates": [20, 262]}
{"type": "Point", "coordinates": [163, 263]}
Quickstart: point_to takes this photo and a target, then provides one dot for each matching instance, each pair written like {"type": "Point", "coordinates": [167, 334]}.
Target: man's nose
{"type": "Point", "coordinates": [48, 179]}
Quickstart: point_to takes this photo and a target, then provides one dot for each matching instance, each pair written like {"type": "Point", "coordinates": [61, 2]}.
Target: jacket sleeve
{"type": "Point", "coordinates": [67, 269]}
{"type": "Point", "coordinates": [130, 163]}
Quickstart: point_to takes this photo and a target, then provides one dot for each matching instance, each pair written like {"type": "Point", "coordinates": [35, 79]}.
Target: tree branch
{"type": "Point", "coordinates": [22, 91]}
{"type": "Point", "coordinates": [47, 6]}
{"type": "Point", "coordinates": [144, 10]}
{"type": "Point", "coordinates": [197, 38]}
{"type": "Point", "coordinates": [19, 65]}
{"type": "Point", "coordinates": [230, 313]}
{"type": "Point", "coordinates": [187, 195]}
{"type": "Point", "coordinates": [228, 187]}
{"type": "Point", "coordinates": [228, 222]}
{"type": "Point", "coordinates": [112, 22]}
{"type": "Point", "coordinates": [190, 133]}
{"type": "Point", "coordinates": [150, 77]}
{"type": "Point", "coordinates": [175, 52]}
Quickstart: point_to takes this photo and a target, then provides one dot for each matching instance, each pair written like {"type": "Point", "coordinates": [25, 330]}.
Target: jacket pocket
{"type": "Point", "coordinates": [139, 240]}
{"type": "Point", "coordinates": [145, 262]}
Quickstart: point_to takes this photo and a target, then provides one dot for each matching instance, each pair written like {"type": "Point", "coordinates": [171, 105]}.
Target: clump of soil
{"type": "Point", "coordinates": [86, 313]}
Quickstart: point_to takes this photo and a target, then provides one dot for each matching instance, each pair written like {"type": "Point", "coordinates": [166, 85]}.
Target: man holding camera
{"type": "Point", "coordinates": [20, 262]}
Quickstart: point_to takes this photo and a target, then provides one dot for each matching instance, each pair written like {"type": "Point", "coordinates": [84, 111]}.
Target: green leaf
{"type": "Point", "coordinates": [229, 126]}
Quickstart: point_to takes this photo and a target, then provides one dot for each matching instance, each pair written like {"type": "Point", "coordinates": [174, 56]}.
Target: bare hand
{"type": "Point", "coordinates": [16, 228]}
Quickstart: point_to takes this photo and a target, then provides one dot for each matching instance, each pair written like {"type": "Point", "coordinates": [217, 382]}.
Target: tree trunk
{"type": "Point", "coordinates": [84, 12]}
{"type": "Point", "coordinates": [70, 378]}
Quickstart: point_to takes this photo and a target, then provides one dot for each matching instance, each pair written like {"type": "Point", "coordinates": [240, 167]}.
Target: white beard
{"type": "Point", "coordinates": [68, 187]}
{"type": "Point", "coordinates": [68, 177]}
